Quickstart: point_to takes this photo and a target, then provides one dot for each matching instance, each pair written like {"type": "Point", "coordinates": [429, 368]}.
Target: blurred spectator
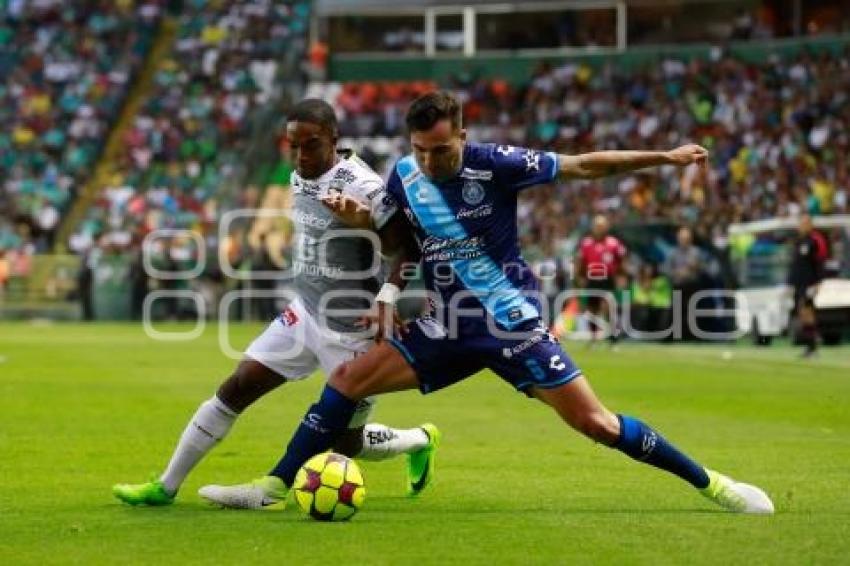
{"type": "Point", "coordinates": [778, 131]}
{"type": "Point", "coordinates": [806, 271]}
{"type": "Point", "coordinates": [66, 68]}
{"type": "Point", "coordinates": [683, 266]}
{"type": "Point", "coordinates": [600, 263]}
{"type": "Point", "coordinates": [184, 160]}
{"type": "Point", "coordinates": [651, 298]}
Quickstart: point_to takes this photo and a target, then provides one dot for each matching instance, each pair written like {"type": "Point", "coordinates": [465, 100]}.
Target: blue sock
{"type": "Point", "coordinates": [318, 431]}
{"type": "Point", "coordinates": [641, 442]}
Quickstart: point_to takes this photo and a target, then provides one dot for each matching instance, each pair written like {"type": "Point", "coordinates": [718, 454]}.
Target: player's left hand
{"type": "Point", "coordinates": [352, 212]}
{"type": "Point", "coordinates": [687, 154]}
{"type": "Point", "coordinates": [386, 321]}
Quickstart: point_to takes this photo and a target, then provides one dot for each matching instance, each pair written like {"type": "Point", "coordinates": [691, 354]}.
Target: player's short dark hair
{"type": "Point", "coordinates": [430, 108]}
{"type": "Point", "coordinates": [314, 111]}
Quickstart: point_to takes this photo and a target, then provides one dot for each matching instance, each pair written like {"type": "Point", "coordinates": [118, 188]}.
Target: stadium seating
{"type": "Point", "coordinates": [779, 134]}
{"type": "Point", "coordinates": [184, 151]}
{"type": "Point", "coordinates": [66, 69]}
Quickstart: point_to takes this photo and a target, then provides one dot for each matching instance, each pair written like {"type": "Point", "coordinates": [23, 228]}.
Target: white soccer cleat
{"type": "Point", "coordinates": [736, 497]}
{"type": "Point", "coordinates": [263, 493]}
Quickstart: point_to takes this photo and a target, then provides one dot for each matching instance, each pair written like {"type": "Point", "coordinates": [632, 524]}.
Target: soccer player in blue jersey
{"type": "Point", "coordinates": [461, 199]}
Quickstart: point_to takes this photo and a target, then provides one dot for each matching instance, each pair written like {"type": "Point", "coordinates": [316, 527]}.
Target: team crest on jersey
{"type": "Point", "coordinates": [473, 193]}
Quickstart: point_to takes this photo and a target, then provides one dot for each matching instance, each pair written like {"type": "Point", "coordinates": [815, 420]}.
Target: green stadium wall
{"type": "Point", "coordinates": [517, 67]}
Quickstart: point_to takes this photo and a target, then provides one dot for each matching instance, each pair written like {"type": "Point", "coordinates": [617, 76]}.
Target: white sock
{"type": "Point", "coordinates": [381, 442]}
{"type": "Point", "coordinates": [208, 426]}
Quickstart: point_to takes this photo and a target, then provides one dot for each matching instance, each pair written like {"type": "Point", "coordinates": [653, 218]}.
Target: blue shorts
{"type": "Point", "coordinates": [535, 358]}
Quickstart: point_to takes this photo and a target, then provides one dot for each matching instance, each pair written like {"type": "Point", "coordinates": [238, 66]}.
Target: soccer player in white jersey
{"type": "Point", "coordinates": [328, 278]}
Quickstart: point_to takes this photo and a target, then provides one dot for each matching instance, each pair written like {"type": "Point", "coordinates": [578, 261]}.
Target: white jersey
{"type": "Point", "coordinates": [333, 268]}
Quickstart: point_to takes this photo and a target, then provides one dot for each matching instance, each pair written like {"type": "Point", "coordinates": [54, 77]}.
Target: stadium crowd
{"type": "Point", "coordinates": [778, 131]}
{"type": "Point", "coordinates": [184, 152]}
{"type": "Point", "coordinates": [66, 69]}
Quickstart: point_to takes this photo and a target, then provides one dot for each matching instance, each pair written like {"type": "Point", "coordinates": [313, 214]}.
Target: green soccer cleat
{"type": "Point", "coordinates": [736, 497]}
{"type": "Point", "coordinates": [267, 492]}
{"type": "Point", "coordinates": [151, 493]}
{"type": "Point", "coordinates": [420, 464]}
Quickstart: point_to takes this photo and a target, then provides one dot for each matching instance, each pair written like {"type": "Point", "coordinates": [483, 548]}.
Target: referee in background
{"type": "Point", "coordinates": [809, 255]}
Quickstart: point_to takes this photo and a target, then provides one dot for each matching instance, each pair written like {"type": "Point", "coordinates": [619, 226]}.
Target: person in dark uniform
{"type": "Point", "coordinates": [809, 254]}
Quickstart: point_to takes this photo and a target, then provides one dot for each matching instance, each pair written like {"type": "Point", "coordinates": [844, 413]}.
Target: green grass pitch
{"type": "Point", "coordinates": [83, 407]}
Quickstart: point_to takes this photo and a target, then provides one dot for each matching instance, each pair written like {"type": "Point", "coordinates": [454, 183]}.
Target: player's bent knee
{"type": "Point", "coordinates": [248, 382]}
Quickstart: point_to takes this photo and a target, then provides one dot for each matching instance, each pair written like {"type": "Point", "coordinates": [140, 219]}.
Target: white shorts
{"type": "Point", "coordinates": [294, 345]}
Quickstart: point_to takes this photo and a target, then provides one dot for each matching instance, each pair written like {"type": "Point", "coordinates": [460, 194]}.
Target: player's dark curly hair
{"type": "Point", "coordinates": [430, 108]}
{"type": "Point", "coordinates": [314, 111]}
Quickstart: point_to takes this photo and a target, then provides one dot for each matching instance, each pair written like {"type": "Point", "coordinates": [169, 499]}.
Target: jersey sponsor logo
{"type": "Point", "coordinates": [310, 219]}
{"type": "Point", "coordinates": [303, 187]}
{"type": "Point", "coordinates": [411, 178]}
{"type": "Point", "coordinates": [329, 271]}
{"type": "Point", "coordinates": [472, 193]}
{"type": "Point", "coordinates": [532, 160]}
{"type": "Point", "coordinates": [373, 193]}
{"type": "Point", "coordinates": [435, 248]}
{"type": "Point", "coordinates": [477, 212]}
{"type": "Point", "coordinates": [535, 338]}
{"type": "Point", "coordinates": [288, 317]}
{"type": "Point", "coordinates": [477, 174]}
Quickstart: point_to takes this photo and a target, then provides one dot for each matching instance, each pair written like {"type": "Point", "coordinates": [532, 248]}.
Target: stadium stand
{"type": "Point", "coordinates": [778, 131]}
{"type": "Point", "coordinates": [67, 68]}
{"type": "Point", "coordinates": [184, 152]}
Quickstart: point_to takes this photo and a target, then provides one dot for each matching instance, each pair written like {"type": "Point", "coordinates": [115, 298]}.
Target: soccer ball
{"type": "Point", "coordinates": [329, 487]}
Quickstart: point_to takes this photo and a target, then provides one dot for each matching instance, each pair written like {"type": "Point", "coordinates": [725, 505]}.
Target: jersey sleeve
{"type": "Point", "coordinates": [519, 167]}
{"type": "Point", "coordinates": [382, 206]}
{"type": "Point", "coordinates": [371, 191]}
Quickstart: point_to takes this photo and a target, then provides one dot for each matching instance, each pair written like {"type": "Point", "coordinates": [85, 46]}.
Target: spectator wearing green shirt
{"type": "Point", "coordinates": [651, 297]}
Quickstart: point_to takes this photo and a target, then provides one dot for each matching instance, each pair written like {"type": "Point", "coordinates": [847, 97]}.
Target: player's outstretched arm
{"type": "Point", "coordinates": [605, 163]}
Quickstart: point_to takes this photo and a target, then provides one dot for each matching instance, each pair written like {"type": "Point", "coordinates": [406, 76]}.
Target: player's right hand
{"type": "Point", "coordinates": [352, 212]}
